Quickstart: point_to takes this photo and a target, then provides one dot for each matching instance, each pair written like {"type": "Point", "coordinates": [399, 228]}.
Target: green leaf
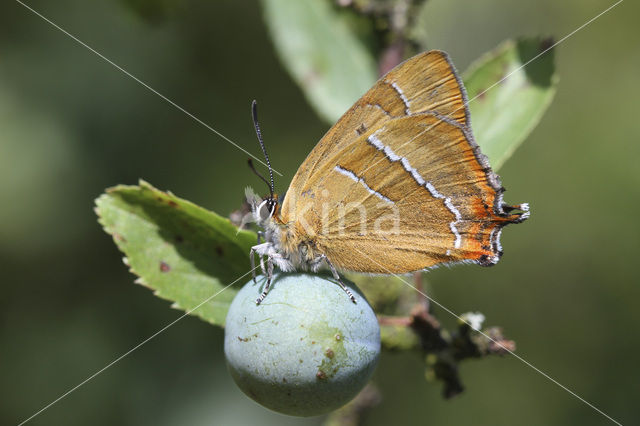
{"type": "Point", "coordinates": [183, 252]}
{"type": "Point", "coordinates": [503, 113]}
{"type": "Point", "coordinates": [319, 49]}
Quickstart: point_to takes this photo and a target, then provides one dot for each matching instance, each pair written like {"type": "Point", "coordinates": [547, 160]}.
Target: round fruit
{"type": "Point", "coordinates": [306, 349]}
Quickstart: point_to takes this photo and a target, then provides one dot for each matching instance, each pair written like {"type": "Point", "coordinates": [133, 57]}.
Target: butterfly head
{"type": "Point", "coordinates": [265, 211]}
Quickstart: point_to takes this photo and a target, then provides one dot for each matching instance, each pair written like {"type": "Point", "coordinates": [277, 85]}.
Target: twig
{"type": "Point", "coordinates": [353, 413]}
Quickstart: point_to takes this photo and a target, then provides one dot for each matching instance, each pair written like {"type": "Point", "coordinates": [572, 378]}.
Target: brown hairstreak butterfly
{"type": "Point", "coordinates": [397, 185]}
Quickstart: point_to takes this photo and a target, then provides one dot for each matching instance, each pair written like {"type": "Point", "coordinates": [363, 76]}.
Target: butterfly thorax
{"type": "Point", "coordinates": [287, 244]}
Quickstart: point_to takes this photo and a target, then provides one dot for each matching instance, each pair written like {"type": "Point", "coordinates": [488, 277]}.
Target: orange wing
{"type": "Point", "coordinates": [402, 190]}
{"type": "Point", "coordinates": [425, 82]}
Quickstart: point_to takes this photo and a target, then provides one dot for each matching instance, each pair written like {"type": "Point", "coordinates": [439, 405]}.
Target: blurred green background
{"type": "Point", "coordinates": [71, 125]}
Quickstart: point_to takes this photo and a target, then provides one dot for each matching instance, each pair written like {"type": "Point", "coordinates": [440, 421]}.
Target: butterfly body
{"type": "Point", "coordinates": [397, 185]}
{"type": "Point", "coordinates": [290, 249]}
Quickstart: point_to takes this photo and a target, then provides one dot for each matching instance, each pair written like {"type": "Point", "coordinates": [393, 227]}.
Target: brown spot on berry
{"type": "Point", "coordinates": [329, 353]}
{"type": "Point", "coordinates": [321, 375]}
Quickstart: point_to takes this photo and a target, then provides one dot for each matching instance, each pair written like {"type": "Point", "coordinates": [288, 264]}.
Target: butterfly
{"type": "Point", "coordinates": [397, 185]}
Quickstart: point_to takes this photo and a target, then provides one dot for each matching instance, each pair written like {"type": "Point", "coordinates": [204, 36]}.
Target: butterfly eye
{"type": "Point", "coordinates": [266, 209]}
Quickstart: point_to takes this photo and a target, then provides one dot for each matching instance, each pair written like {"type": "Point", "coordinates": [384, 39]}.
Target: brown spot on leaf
{"type": "Point", "coordinates": [219, 251]}
{"type": "Point", "coordinates": [119, 237]}
{"type": "Point", "coordinates": [164, 267]}
{"type": "Point", "coordinates": [173, 204]}
{"type": "Point", "coordinates": [179, 238]}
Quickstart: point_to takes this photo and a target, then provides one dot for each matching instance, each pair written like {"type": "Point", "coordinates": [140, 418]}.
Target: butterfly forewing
{"type": "Point", "coordinates": [425, 82]}
{"type": "Point", "coordinates": [428, 82]}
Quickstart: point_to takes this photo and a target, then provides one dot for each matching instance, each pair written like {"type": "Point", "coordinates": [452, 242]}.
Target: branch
{"type": "Point", "coordinates": [393, 21]}
{"type": "Point", "coordinates": [444, 349]}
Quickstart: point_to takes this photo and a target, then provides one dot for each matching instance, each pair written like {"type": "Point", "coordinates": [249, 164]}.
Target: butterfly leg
{"type": "Point", "coordinates": [253, 263]}
{"type": "Point", "coordinates": [261, 250]}
{"type": "Point", "coordinates": [269, 275]}
{"type": "Point", "coordinates": [334, 271]}
{"type": "Point", "coordinates": [260, 238]}
{"type": "Point", "coordinates": [264, 271]}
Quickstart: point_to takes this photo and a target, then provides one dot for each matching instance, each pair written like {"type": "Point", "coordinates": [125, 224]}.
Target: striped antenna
{"type": "Point", "coordinates": [254, 112]}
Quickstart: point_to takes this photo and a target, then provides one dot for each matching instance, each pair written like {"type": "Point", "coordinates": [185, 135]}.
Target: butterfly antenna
{"type": "Point", "coordinates": [254, 111]}
{"type": "Point", "coordinates": [253, 169]}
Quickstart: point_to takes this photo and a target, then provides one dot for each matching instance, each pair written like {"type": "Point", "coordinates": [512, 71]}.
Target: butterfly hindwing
{"type": "Point", "coordinates": [398, 184]}
{"type": "Point", "coordinates": [411, 194]}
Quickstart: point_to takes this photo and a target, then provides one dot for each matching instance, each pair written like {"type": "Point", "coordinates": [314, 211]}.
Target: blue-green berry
{"type": "Point", "coordinates": [307, 349]}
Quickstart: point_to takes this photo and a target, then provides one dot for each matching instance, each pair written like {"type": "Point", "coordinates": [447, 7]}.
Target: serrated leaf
{"type": "Point", "coordinates": [503, 114]}
{"type": "Point", "coordinates": [183, 252]}
{"type": "Point", "coordinates": [314, 42]}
